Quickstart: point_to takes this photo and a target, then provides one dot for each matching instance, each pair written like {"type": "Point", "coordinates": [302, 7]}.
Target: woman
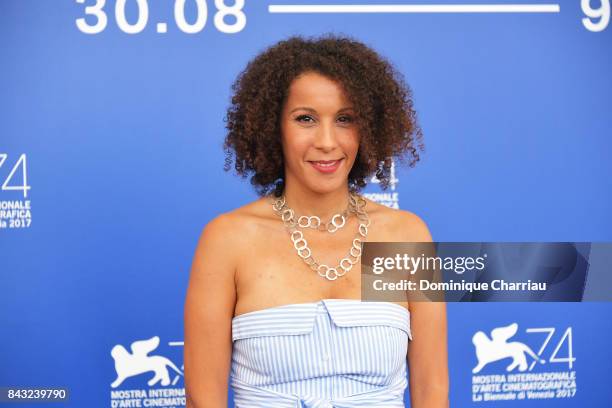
{"type": "Point", "coordinates": [273, 305]}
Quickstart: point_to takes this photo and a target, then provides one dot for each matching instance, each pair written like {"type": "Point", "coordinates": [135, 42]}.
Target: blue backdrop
{"type": "Point", "coordinates": [111, 164]}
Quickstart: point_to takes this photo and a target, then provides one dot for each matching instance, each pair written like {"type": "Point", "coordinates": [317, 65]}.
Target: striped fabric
{"type": "Point", "coordinates": [335, 353]}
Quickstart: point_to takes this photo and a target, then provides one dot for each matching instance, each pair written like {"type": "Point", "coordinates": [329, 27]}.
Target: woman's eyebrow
{"type": "Point", "coordinates": [306, 108]}
{"type": "Point", "coordinates": [303, 108]}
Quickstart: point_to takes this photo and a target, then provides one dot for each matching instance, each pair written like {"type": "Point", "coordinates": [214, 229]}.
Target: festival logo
{"type": "Point", "coordinates": [15, 207]}
{"type": "Point", "coordinates": [513, 367]}
{"type": "Point", "coordinates": [390, 199]}
{"type": "Point", "coordinates": [498, 348]}
{"type": "Point", "coordinates": [141, 366]}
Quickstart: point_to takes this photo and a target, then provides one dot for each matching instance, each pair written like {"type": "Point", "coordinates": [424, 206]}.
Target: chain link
{"type": "Point", "coordinates": [356, 206]}
{"type": "Point", "coordinates": [336, 222]}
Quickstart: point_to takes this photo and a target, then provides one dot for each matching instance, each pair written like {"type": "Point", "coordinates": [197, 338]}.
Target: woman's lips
{"type": "Point", "coordinates": [326, 166]}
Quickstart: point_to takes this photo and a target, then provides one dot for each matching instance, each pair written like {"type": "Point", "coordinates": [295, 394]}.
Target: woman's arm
{"type": "Point", "coordinates": [428, 356]}
{"type": "Point", "coordinates": [427, 352]}
{"type": "Point", "coordinates": [209, 308]}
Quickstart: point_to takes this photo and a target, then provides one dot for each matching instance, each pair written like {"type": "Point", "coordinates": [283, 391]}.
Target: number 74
{"type": "Point", "coordinates": [21, 162]}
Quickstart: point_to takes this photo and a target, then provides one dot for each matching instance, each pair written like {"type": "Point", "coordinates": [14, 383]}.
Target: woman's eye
{"type": "Point", "coordinates": [346, 119]}
{"type": "Point", "coordinates": [302, 117]}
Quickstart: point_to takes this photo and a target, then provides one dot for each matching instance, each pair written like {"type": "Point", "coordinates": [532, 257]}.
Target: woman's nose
{"type": "Point", "coordinates": [325, 137]}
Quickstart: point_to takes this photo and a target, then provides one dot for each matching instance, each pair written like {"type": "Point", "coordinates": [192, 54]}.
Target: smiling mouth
{"type": "Point", "coordinates": [325, 162]}
{"type": "Point", "coordinates": [326, 166]}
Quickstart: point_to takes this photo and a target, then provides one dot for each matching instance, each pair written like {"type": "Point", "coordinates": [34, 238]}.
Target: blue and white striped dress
{"type": "Point", "coordinates": [335, 353]}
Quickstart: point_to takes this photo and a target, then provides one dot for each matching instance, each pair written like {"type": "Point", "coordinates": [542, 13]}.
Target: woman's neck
{"type": "Point", "coordinates": [323, 205]}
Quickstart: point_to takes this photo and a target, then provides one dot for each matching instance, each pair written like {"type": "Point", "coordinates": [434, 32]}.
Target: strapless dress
{"type": "Point", "coordinates": [335, 353]}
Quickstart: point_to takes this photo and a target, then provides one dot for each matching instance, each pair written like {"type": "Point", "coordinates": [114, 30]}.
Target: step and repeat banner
{"type": "Point", "coordinates": [111, 163]}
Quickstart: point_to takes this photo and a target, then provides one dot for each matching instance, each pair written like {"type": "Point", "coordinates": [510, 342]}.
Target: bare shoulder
{"type": "Point", "coordinates": [402, 225]}
{"type": "Point", "coordinates": [236, 227]}
{"type": "Point", "coordinates": [251, 216]}
{"type": "Point", "coordinates": [411, 227]}
{"type": "Point", "coordinates": [218, 232]}
{"type": "Point", "coordinates": [213, 252]}
{"type": "Point", "coordinates": [217, 256]}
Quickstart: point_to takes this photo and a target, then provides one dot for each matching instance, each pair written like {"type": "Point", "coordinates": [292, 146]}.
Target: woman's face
{"type": "Point", "coordinates": [317, 127]}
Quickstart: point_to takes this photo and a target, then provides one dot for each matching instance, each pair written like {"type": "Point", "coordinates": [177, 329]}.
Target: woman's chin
{"type": "Point", "coordinates": [328, 186]}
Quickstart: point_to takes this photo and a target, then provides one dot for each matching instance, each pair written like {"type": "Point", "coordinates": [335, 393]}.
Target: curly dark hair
{"type": "Point", "coordinates": [387, 122]}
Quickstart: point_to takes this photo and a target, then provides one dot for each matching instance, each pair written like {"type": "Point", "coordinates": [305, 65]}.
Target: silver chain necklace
{"type": "Point", "coordinates": [356, 205]}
